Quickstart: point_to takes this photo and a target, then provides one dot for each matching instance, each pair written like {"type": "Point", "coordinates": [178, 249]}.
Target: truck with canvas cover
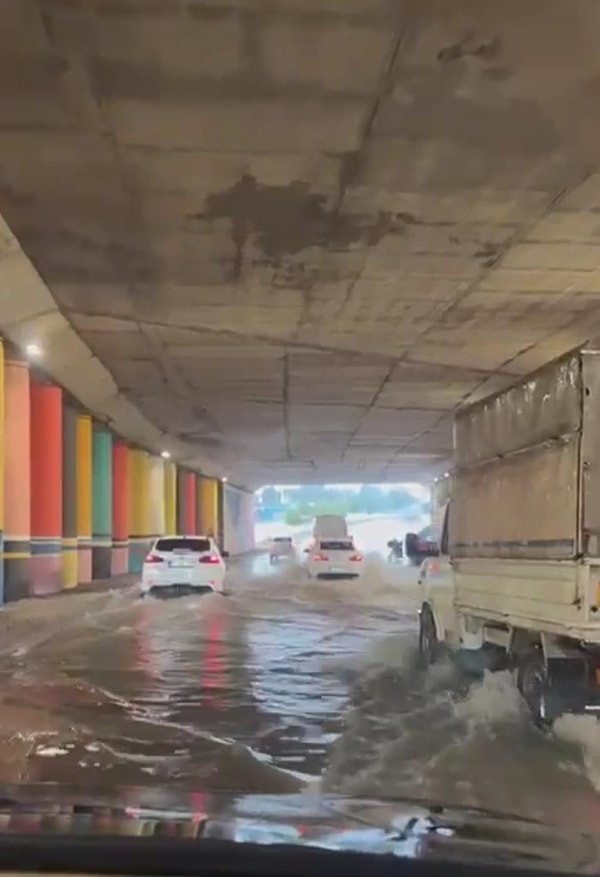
{"type": "Point", "coordinates": [522, 537]}
{"type": "Point", "coordinates": [330, 527]}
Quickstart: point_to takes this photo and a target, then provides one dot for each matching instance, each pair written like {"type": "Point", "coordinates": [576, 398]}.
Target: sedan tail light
{"type": "Point", "coordinates": [320, 557]}
{"type": "Point", "coordinates": [356, 557]}
{"type": "Point", "coordinates": [211, 558]}
{"type": "Point", "coordinates": [154, 558]}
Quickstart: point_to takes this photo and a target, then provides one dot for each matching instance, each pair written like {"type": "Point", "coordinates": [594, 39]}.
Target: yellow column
{"type": "Point", "coordinates": [84, 497]}
{"type": "Point", "coordinates": [157, 496]}
{"type": "Point", "coordinates": [139, 501]}
{"type": "Point", "coordinates": [209, 506]}
{"type": "Point", "coordinates": [170, 498]}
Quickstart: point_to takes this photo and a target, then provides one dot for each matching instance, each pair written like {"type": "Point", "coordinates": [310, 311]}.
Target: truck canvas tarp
{"type": "Point", "coordinates": [527, 478]}
{"type": "Point", "coordinates": [330, 527]}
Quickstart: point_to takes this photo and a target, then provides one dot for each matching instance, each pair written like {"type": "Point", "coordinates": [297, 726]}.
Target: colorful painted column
{"type": "Point", "coordinates": [138, 534]}
{"type": "Point", "coordinates": [17, 481]}
{"type": "Point", "coordinates": [181, 501]}
{"type": "Point", "coordinates": [170, 498]}
{"type": "Point", "coordinates": [84, 498]}
{"type": "Point", "coordinates": [209, 520]}
{"type": "Point", "coordinates": [120, 509]}
{"type": "Point", "coordinates": [46, 450]}
{"type": "Point", "coordinates": [190, 503]}
{"type": "Point", "coordinates": [221, 535]}
{"type": "Point", "coordinates": [208, 506]}
{"type": "Point", "coordinates": [147, 511]}
{"type": "Point", "coordinates": [133, 484]}
{"type": "Point", "coordinates": [70, 562]}
{"type": "Point", "coordinates": [102, 524]}
{"type": "Point", "coordinates": [156, 489]}
{"type": "Point", "coordinates": [199, 521]}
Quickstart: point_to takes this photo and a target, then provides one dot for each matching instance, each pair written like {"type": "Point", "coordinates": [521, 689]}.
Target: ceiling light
{"type": "Point", "coordinates": [166, 455]}
{"type": "Point", "coordinates": [224, 479]}
{"type": "Point", "coordinates": [33, 351]}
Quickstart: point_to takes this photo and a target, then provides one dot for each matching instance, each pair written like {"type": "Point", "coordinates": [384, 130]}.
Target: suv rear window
{"type": "Point", "coordinates": [191, 544]}
{"type": "Point", "coordinates": [337, 545]}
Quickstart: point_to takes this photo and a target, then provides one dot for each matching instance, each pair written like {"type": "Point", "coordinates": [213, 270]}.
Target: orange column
{"type": "Point", "coordinates": [46, 437]}
{"type": "Point", "coordinates": [17, 481]}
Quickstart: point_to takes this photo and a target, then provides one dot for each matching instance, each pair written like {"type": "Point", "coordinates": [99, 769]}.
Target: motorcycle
{"type": "Point", "coordinates": [396, 552]}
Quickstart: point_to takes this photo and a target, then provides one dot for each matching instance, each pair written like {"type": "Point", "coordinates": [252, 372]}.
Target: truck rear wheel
{"type": "Point", "coordinates": [429, 645]}
{"type": "Point", "coordinates": [533, 683]}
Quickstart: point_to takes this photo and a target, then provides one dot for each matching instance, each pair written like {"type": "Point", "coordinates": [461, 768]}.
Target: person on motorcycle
{"type": "Point", "coordinates": [396, 551]}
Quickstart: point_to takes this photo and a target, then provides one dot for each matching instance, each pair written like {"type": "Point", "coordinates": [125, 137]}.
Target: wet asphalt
{"type": "Point", "coordinates": [283, 685]}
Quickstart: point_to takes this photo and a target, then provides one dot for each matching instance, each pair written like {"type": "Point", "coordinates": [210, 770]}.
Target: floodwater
{"type": "Point", "coordinates": [282, 685]}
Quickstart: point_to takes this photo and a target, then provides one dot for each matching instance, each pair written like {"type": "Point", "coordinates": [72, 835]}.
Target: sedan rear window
{"type": "Point", "coordinates": [191, 544]}
{"type": "Point", "coordinates": [337, 546]}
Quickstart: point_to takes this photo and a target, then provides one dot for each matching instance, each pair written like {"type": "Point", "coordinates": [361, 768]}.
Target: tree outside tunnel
{"type": "Point", "coordinates": [295, 505]}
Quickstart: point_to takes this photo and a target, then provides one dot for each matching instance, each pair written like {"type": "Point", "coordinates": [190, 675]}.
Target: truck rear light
{"type": "Point", "coordinates": [356, 557]}
{"type": "Point", "coordinates": [153, 558]}
{"type": "Point", "coordinates": [212, 558]}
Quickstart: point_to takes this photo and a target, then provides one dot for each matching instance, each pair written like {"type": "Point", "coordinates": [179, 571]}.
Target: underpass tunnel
{"type": "Point", "coordinates": [201, 311]}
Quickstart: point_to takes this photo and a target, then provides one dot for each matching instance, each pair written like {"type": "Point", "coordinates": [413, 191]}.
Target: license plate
{"type": "Point", "coordinates": [336, 569]}
{"type": "Point", "coordinates": [180, 564]}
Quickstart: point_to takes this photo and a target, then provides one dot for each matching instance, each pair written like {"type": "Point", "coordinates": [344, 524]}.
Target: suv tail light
{"type": "Point", "coordinates": [153, 558]}
{"type": "Point", "coordinates": [356, 557]}
{"type": "Point", "coordinates": [321, 557]}
{"type": "Point", "coordinates": [210, 558]}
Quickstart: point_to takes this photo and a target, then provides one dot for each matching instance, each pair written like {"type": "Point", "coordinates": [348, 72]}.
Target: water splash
{"type": "Point", "coordinates": [494, 699]}
{"type": "Point", "coordinates": [584, 733]}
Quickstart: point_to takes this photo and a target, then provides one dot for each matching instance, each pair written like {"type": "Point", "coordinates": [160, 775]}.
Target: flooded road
{"type": "Point", "coordinates": [283, 685]}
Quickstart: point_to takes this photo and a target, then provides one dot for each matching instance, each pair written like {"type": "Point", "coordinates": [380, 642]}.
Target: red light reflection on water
{"type": "Point", "coordinates": [214, 677]}
{"type": "Point", "coordinates": [150, 649]}
{"type": "Point", "coordinates": [145, 655]}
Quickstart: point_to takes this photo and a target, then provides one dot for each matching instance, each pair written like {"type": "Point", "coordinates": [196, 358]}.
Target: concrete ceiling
{"type": "Point", "coordinates": [299, 232]}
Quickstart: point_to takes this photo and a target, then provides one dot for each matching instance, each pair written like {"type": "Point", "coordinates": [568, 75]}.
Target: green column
{"type": "Point", "coordinates": [101, 504]}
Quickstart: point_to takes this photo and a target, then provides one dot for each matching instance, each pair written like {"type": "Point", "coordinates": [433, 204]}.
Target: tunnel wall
{"type": "Point", "coordinates": [78, 503]}
{"type": "Point", "coordinates": [238, 520]}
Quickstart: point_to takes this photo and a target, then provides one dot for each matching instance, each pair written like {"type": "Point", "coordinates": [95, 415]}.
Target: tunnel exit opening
{"type": "Point", "coordinates": [394, 509]}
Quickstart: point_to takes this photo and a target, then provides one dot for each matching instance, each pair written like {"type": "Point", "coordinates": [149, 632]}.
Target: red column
{"type": "Point", "coordinates": [46, 438]}
{"type": "Point", "coordinates": [120, 509]}
{"type": "Point", "coordinates": [190, 503]}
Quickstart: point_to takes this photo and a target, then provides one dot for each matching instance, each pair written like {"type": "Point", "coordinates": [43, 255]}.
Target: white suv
{"type": "Point", "coordinates": [334, 558]}
{"type": "Point", "coordinates": [191, 563]}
